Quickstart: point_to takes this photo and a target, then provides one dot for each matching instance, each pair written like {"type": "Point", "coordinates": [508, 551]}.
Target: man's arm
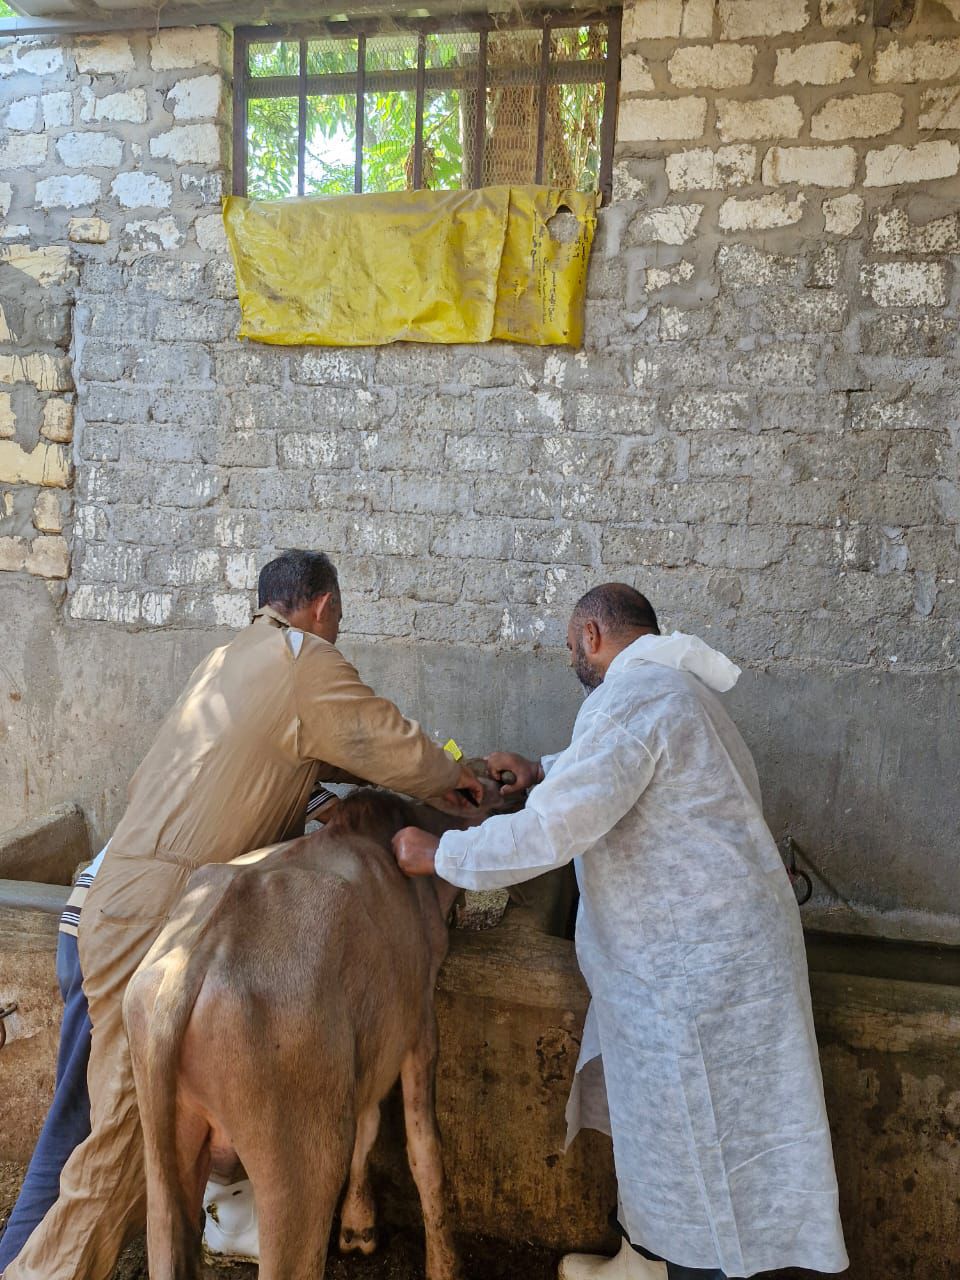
{"type": "Point", "coordinates": [586, 792]}
{"type": "Point", "coordinates": [350, 728]}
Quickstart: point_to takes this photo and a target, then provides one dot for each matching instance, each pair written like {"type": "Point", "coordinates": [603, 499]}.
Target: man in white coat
{"type": "Point", "coordinates": [698, 1054]}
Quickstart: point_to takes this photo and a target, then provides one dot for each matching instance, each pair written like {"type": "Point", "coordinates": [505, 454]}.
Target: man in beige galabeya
{"type": "Point", "coordinates": [261, 720]}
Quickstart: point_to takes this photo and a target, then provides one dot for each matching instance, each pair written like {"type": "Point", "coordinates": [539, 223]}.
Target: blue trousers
{"type": "Point", "coordinates": [68, 1120]}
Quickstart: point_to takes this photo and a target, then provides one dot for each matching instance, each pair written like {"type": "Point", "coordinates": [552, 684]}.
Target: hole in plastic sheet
{"type": "Point", "coordinates": [564, 226]}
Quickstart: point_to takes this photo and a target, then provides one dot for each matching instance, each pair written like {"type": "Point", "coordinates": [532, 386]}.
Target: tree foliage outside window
{"type": "Point", "coordinates": [573, 117]}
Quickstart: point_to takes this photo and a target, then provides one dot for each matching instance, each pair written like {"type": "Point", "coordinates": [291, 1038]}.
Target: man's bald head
{"type": "Point", "coordinates": [617, 610]}
{"type": "Point", "coordinates": [603, 623]}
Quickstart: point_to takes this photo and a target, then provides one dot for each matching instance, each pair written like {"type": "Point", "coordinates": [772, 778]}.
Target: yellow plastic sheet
{"type": "Point", "coordinates": [416, 266]}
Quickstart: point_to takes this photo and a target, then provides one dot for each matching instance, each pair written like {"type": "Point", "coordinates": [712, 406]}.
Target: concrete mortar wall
{"type": "Point", "coordinates": [761, 431]}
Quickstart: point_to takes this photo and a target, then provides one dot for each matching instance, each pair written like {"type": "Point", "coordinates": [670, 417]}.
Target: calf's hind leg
{"type": "Point", "coordinates": [417, 1076]}
{"type": "Point", "coordinates": [358, 1213]}
{"type": "Point", "coordinates": [297, 1178]}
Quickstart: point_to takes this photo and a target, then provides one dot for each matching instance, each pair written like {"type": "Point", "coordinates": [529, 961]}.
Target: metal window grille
{"type": "Point", "coordinates": [441, 104]}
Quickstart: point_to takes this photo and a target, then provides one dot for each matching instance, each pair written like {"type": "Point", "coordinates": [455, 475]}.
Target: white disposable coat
{"type": "Point", "coordinates": [699, 1055]}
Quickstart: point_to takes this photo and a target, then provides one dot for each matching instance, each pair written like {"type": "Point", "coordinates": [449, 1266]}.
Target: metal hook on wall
{"type": "Point", "coordinates": [802, 884]}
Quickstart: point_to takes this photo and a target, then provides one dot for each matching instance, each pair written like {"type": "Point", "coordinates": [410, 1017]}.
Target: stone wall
{"type": "Point", "coordinates": [761, 431]}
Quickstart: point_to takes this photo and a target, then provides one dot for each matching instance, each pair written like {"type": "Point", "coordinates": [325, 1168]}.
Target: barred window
{"type": "Point", "coordinates": [446, 105]}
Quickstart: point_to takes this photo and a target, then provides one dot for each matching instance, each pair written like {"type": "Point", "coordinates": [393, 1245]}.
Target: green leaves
{"type": "Point", "coordinates": [574, 114]}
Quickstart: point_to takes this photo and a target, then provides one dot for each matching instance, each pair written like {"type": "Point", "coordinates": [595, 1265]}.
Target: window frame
{"type": "Point", "coordinates": [299, 86]}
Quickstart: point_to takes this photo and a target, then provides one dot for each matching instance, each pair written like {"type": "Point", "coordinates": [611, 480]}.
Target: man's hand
{"type": "Point", "coordinates": [415, 851]}
{"type": "Point", "coordinates": [471, 784]}
{"type": "Point", "coordinates": [527, 772]}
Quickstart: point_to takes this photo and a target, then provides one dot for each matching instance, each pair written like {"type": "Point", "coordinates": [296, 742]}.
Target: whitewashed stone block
{"type": "Point", "coordinates": [842, 215]}
{"type": "Point", "coordinates": [652, 20]}
{"type": "Point", "coordinates": [716, 66]}
{"type": "Point", "coordinates": [810, 166]}
{"type": "Point", "coordinates": [88, 231]}
{"type": "Point", "coordinates": [57, 110]}
{"type": "Point", "coordinates": [925, 162]}
{"type": "Point", "coordinates": [905, 284]}
{"type": "Point", "coordinates": [635, 74]}
{"type": "Point", "coordinates": [130, 106]}
{"type": "Point", "coordinates": [761, 213]}
{"type": "Point", "coordinates": [181, 48]}
{"type": "Point", "coordinates": [706, 170]}
{"type": "Point", "coordinates": [23, 114]}
{"type": "Point", "coordinates": [673, 224]}
{"type": "Point", "coordinates": [740, 18]}
{"type": "Point", "coordinates": [759, 118]}
{"type": "Point", "coordinates": [158, 235]}
{"type": "Point", "coordinates": [23, 151]}
{"type": "Point", "coordinates": [188, 144]}
{"type": "Point", "coordinates": [842, 13]}
{"type": "Point", "coordinates": [861, 115]}
{"type": "Point", "coordinates": [104, 54]}
{"type": "Point", "coordinates": [198, 98]}
{"type": "Point", "coordinates": [940, 109]}
{"type": "Point", "coordinates": [138, 190]}
{"type": "Point", "coordinates": [826, 63]}
{"type": "Point", "coordinates": [90, 150]}
{"type": "Point", "coordinates": [923, 60]}
{"type": "Point", "coordinates": [68, 192]}
{"type": "Point", "coordinates": [661, 119]}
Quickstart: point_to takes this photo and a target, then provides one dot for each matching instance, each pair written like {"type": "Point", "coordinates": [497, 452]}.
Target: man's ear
{"type": "Point", "coordinates": [592, 638]}
{"type": "Point", "coordinates": [321, 606]}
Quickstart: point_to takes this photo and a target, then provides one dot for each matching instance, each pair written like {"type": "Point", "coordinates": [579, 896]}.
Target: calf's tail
{"type": "Point", "coordinates": [156, 1014]}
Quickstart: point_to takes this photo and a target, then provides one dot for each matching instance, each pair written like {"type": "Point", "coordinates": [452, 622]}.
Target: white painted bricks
{"type": "Point", "coordinates": [139, 190]}
{"type": "Point", "coordinates": [652, 119]}
{"type": "Point", "coordinates": [182, 48]}
{"type": "Point", "coordinates": [861, 115]}
{"type": "Point", "coordinates": [842, 215]}
{"type": "Point", "coordinates": [940, 108]}
{"type": "Point", "coordinates": [706, 170]}
{"type": "Point", "coordinates": [826, 63]}
{"type": "Point", "coordinates": [924, 60]}
{"type": "Point", "coordinates": [739, 18]}
{"type": "Point", "coordinates": [130, 106]}
{"type": "Point", "coordinates": [813, 166]}
{"type": "Point", "coordinates": [924, 162]}
{"type": "Point", "coordinates": [760, 213]}
{"type": "Point", "coordinates": [65, 192]}
{"type": "Point", "coordinates": [717, 66]}
{"type": "Point", "coordinates": [104, 55]}
{"type": "Point", "coordinates": [188, 144]}
{"type": "Point", "coordinates": [93, 150]}
{"type": "Point", "coordinates": [198, 98]}
{"type": "Point", "coordinates": [667, 19]}
{"type": "Point", "coordinates": [759, 118]}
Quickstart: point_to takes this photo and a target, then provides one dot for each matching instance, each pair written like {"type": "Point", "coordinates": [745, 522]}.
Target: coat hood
{"type": "Point", "coordinates": [683, 653]}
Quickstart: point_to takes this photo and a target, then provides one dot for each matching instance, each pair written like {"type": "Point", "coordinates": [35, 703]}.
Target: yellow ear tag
{"type": "Point", "coordinates": [451, 748]}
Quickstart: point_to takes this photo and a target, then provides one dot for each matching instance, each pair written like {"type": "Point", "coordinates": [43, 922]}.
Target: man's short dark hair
{"type": "Point", "coordinates": [616, 608]}
{"type": "Point", "coordinates": [295, 578]}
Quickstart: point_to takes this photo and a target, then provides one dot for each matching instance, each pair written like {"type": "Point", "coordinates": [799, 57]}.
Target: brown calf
{"type": "Point", "coordinates": [267, 1023]}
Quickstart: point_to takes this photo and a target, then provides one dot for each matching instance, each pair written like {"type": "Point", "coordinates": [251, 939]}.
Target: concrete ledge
{"type": "Point", "coordinates": [46, 849]}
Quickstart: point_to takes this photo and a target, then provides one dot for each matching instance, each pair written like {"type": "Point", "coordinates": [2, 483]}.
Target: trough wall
{"type": "Point", "coordinates": [761, 430]}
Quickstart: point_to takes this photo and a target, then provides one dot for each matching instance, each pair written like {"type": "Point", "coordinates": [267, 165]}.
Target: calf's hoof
{"type": "Point", "coordinates": [358, 1241]}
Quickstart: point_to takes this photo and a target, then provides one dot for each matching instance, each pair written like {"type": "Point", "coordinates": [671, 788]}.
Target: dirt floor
{"type": "Point", "coordinates": [400, 1256]}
